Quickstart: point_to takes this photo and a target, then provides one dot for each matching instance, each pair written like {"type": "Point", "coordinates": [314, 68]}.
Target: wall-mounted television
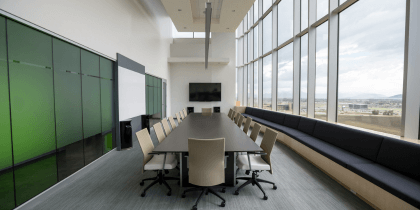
{"type": "Point", "coordinates": [205, 91]}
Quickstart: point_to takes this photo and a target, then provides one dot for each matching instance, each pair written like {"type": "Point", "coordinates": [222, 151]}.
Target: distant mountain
{"type": "Point", "coordinates": [399, 96]}
{"type": "Point", "coordinates": [368, 96]}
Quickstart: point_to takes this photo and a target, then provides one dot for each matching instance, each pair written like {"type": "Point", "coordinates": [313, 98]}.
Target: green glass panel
{"type": "Point", "coordinates": [147, 99]}
{"type": "Point", "coordinates": [31, 92]}
{"type": "Point", "coordinates": [159, 100]}
{"type": "Point", "coordinates": [106, 68]}
{"type": "Point", "coordinates": [91, 106]}
{"type": "Point", "coordinates": [151, 81]}
{"type": "Point", "coordinates": [7, 194]}
{"type": "Point", "coordinates": [160, 83]}
{"type": "Point", "coordinates": [155, 82]}
{"type": "Point", "coordinates": [68, 107]}
{"type": "Point", "coordinates": [66, 56]}
{"type": "Point", "coordinates": [151, 100]}
{"type": "Point", "coordinates": [33, 178]}
{"type": "Point", "coordinates": [106, 104]}
{"type": "Point", "coordinates": [108, 142]}
{"type": "Point", "coordinates": [28, 45]}
{"type": "Point", "coordinates": [147, 80]}
{"type": "Point", "coordinates": [90, 63]}
{"type": "Point", "coordinates": [155, 101]}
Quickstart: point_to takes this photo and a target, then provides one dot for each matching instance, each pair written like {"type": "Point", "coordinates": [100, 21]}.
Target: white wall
{"type": "Point", "coordinates": [222, 45]}
{"type": "Point", "coordinates": [137, 29]}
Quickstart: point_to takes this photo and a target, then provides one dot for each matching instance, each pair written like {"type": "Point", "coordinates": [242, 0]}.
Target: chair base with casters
{"type": "Point", "coordinates": [159, 179]}
{"type": "Point", "coordinates": [254, 181]}
{"type": "Point", "coordinates": [205, 190]}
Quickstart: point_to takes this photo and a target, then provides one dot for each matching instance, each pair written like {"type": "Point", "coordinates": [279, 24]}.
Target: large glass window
{"type": "Point", "coordinates": [266, 5]}
{"type": "Point", "coordinates": [371, 62]}
{"type": "Point", "coordinates": [245, 85]}
{"type": "Point", "coordinates": [285, 21]}
{"type": "Point", "coordinates": [256, 84]}
{"type": "Point", "coordinates": [250, 42]}
{"type": "Point", "coordinates": [268, 33]}
{"type": "Point", "coordinates": [267, 75]}
{"type": "Point", "coordinates": [250, 21]}
{"type": "Point", "coordinates": [256, 16]}
{"type": "Point", "coordinates": [321, 79]}
{"type": "Point", "coordinates": [245, 48]}
{"type": "Point", "coordinates": [304, 11]}
{"type": "Point", "coordinates": [285, 79]}
{"type": "Point", "coordinates": [304, 75]}
{"type": "Point", "coordinates": [256, 41]}
{"type": "Point", "coordinates": [245, 23]}
{"type": "Point", "coordinates": [321, 8]}
{"type": "Point", "coordinates": [250, 70]}
{"type": "Point", "coordinates": [237, 83]}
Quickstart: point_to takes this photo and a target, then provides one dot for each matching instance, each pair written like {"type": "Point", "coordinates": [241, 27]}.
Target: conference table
{"type": "Point", "coordinates": [202, 126]}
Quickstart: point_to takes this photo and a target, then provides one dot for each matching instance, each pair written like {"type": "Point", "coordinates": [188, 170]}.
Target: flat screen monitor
{"type": "Point", "coordinates": [205, 91]}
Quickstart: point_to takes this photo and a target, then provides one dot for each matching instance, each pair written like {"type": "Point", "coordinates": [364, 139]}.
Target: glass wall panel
{"type": "Point", "coordinates": [108, 142]}
{"type": "Point", "coordinates": [321, 8]}
{"type": "Point", "coordinates": [285, 21]}
{"type": "Point", "coordinates": [267, 75]}
{"type": "Point", "coordinates": [250, 74]}
{"type": "Point", "coordinates": [151, 111]}
{"type": "Point", "coordinates": [250, 42]}
{"type": "Point", "coordinates": [106, 94]}
{"type": "Point", "coordinates": [256, 84]}
{"type": "Point", "coordinates": [285, 79]}
{"type": "Point", "coordinates": [155, 100]}
{"type": "Point", "coordinates": [91, 102]}
{"type": "Point", "coordinates": [236, 85]}
{"type": "Point", "coordinates": [250, 21]}
{"type": "Point", "coordinates": [371, 65]}
{"type": "Point", "coordinates": [266, 5]}
{"type": "Point", "coordinates": [304, 12]}
{"type": "Point", "coordinates": [304, 75]}
{"type": "Point", "coordinates": [93, 147]}
{"type": "Point", "coordinates": [245, 48]}
{"type": "Point", "coordinates": [70, 158]}
{"type": "Point", "coordinates": [255, 42]}
{"type": "Point", "coordinates": [245, 85]}
{"type": "Point", "coordinates": [268, 33]}
{"type": "Point", "coordinates": [7, 200]}
{"type": "Point", "coordinates": [256, 15]}
{"type": "Point", "coordinates": [321, 80]}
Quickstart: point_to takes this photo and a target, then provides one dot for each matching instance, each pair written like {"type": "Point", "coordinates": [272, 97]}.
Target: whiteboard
{"type": "Point", "coordinates": [131, 93]}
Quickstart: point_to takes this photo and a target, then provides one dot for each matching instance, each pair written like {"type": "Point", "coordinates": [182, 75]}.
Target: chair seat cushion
{"type": "Point", "coordinates": [157, 160]}
{"type": "Point", "coordinates": [397, 184]}
{"type": "Point", "coordinates": [332, 152]}
{"type": "Point", "coordinates": [257, 163]}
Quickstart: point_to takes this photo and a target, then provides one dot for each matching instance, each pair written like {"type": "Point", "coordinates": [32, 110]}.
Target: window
{"type": "Point", "coordinates": [371, 61]}
{"type": "Point", "coordinates": [304, 75]}
{"type": "Point", "coordinates": [321, 8]}
{"type": "Point", "coordinates": [268, 33]}
{"type": "Point", "coordinates": [321, 78]}
{"type": "Point", "coordinates": [285, 21]}
{"type": "Point", "coordinates": [267, 75]}
{"type": "Point", "coordinates": [250, 70]}
{"type": "Point", "coordinates": [245, 23]}
{"type": "Point", "coordinates": [237, 83]}
{"type": "Point", "coordinates": [266, 5]}
{"type": "Point", "coordinates": [256, 42]}
{"type": "Point", "coordinates": [256, 16]}
{"type": "Point", "coordinates": [304, 18]}
{"type": "Point", "coordinates": [250, 21]}
{"type": "Point", "coordinates": [256, 84]}
{"type": "Point", "coordinates": [241, 50]}
{"type": "Point", "coordinates": [250, 42]}
{"type": "Point", "coordinates": [285, 79]}
{"type": "Point", "coordinates": [245, 85]}
{"type": "Point", "coordinates": [245, 48]}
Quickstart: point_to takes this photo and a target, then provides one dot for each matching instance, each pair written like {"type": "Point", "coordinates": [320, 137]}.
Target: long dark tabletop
{"type": "Point", "coordinates": [217, 125]}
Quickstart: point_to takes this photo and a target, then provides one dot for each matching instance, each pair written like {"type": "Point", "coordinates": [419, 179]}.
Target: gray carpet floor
{"type": "Point", "coordinates": [112, 182]}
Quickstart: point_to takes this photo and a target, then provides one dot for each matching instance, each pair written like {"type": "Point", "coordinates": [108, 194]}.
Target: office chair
{"type": "Point", "coordinates": [230, 113]}
{"type": "Point", "coordinates": [156, 162]}
{"type": "Point", "coordinates": [185, 112]}
{"type": "Point", "coordinates": [247, 125]}
{"type": "Point", "coordinates": [258, 164]}
{"type": "Point", "coordinates": [172, 121]}
{"type": "Point", "coordinates": [159, 132]}
{"type": "Point", "coordinates": [237, 117]}
{"type": "Point", "coordinates": [233, 115]}
{"type": "Point", "coordinates": [206, 166]}
{"type": "Point", "coordinates": [240, 120]}
{"type": "Point", "coordinates": [178, 119]}
{"type": "Point", "coordinates": [166, 126]}
{"type": "Point", "coordinates": [255, 131]}
{"type": "Point", "coordinates": [206, 110]}
{"type": "Point", "coordinates": [182, 115]}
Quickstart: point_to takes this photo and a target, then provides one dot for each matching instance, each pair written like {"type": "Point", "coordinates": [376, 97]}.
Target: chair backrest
{"type": "Point", "coordinates": [255, 131]}
{"type": "Point", "coordinates": [247, 124]}
{"type": "Point", "coordinates": [146, 145]}
{"type": "Point", "coordinates": [267, 145]}
{"type": "Point", "coordinates": [185, 112]}
{"type": "Point", "coordinates": [159, 132]}
{"type": "Point", "coordinates": [240, 120]}
{"type": "Point", "coordinates": [206, 110]}
{"type": "Point", "coordinates": [178, 118]}
{"type": "Point", "coordinates": [233, 115]}
{"type": "Point", "coordinates": [230, 113]}
{"type": "Point", "coordinates": [237, 117]}
{"type": "Point", "coordinates": [206, 161]}
{"type": "Point", "coordinates": [182, 115]}
{"type": "Point", "coordinates": [172, 121]}
{"type": "Point", "coordinates": [166, 126]}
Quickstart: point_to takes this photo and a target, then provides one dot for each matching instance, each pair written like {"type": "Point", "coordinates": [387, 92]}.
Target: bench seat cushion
{"type": "Point", "coordinates": [332, 152]}
{"type": "Point", "coordinates": [275, 117]}
{"type": "Point", "coordinates": [249, 110]}
{"type": "Point", "coordinates": [307, 125]}
{"type": "Point", "coordinates": [292, 121]}
{"type": "Point", "coordinates": [258, 113]}
{"type": "Point", "coordinates": [397, 184]}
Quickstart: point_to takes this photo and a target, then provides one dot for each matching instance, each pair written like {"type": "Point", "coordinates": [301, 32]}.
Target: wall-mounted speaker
{"type": "Point", "coordinates": [216, 109]}
{"type": "Point", "coordinates": [190, 110]}
{"type": "Point", "coordinates": [126, 134]}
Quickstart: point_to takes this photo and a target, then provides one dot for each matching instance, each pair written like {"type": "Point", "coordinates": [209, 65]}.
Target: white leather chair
{"type": "Point", "coordinates": [247, 125]}
{"type": "Point", "coordinates": [185, 112]}
{"type": "Point", "coordinates": [172, 121]}
{"type": "Point", "coordinates": [240, 120]}
{"type": "Point", "coordinates": [255, 131]}
{"type": "Point", "coordinates": [230, 113]}
{"type": "Point", "coordinates": [178, 119]}
{"type": "Point", "coordinates": [166, 126]}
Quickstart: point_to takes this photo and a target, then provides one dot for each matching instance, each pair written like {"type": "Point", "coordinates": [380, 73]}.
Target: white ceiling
{"type": "Point", "coordinates": [188, 16]}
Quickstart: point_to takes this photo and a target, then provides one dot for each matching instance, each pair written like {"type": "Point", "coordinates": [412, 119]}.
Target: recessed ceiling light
{"type": "Point", "coordinates": [179, 10]}
{"type": "Point", "coordinates": [233, 10]}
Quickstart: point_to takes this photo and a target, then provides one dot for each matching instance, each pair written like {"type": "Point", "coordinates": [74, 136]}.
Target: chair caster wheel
{"type": "Point", "coordinates": [222, 204]}
{"type": "Point", "coordinates": [169, 193]}
{"type": "Point", "coordinates": [166, 172]}
{"type": "Point", "coordinates": [236, 193]}
{"type": "Point", "coordinates": [141, 183]}
{"type": "Point", "coordinates": [265, 197]}
{"type": "Point", "coordinates": [274, 187]}
{"type": "Point", "coordinates": [194, 208]}
{"type": "Point", "coordinates": [143, 194]}
{"type": "Point", "coordinates": [223, 190]}
{"type": "Point", "coordinates": [183, 196]}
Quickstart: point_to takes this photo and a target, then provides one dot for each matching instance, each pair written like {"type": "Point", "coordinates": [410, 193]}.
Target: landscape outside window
{"type": "Point", "coordinates": [304, 75]}
{"type": "Point", "coordinates": [285, 80]}
{"type": "Point", "coordinates": [267, 75]}
{"type": "Point", "coordinates": [371, 65]}
{"type": "Point", "coordinates": [256, 84]}
{"type": "Point", "coordinates": [321, 78]}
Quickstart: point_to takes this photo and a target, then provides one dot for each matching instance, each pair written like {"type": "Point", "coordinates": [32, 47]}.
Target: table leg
{"type": "Point", "coordinates": [230, 175]}
{"type": "Point", "coordinates": [183, 170]}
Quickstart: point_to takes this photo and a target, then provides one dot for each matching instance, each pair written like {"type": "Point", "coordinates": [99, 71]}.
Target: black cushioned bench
{"type": "Point", "coordinates": [391, 164]}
